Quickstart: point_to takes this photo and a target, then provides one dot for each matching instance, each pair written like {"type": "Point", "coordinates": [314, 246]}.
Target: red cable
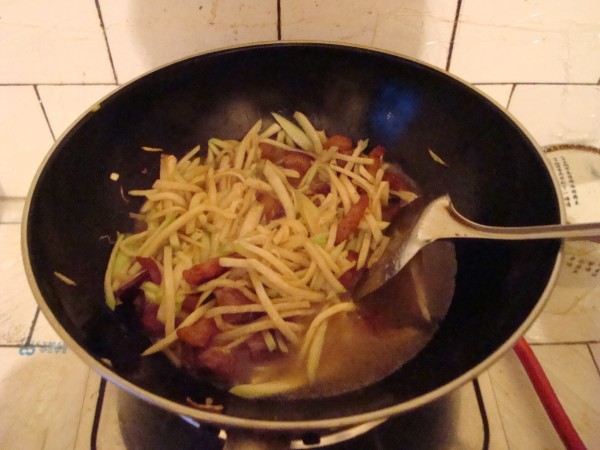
{"type": "Point", "coordinates": [561, 422]}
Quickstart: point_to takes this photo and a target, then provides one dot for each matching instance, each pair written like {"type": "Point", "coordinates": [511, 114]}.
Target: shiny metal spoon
{"type": "Point", "coordinates": [420, 226]}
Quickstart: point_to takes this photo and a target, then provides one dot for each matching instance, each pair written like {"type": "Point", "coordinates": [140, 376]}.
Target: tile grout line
{"type": "Point", "coordinates": [57, 84]}
{"type": "Point", "coordinates": [32, 328]}
{"type": "Point", "coordinates": [483, 413]}
{"type": "Point", "coordinates": [37, 93]}
{"type": "Point", "coordinates": [498, 409]}
{"type": "Point", "coordinates": [596, 363]}
{"type": "Point", "coordinates": [548, 344]}
{"type": "Point", "coordinates": [475, 83]}
{"type": "Point", "coordinates": [510, 96]}
{"type": "Point", "coordinates": [279, 20]}
{"type": "Point", "coordinates": [531, 83]}
{"type": "Point", "coordinates": [110, 58]}
{"type": "Point", "coordinates": [453, 35]}
{"type": "Point", "coordinates": [97, 415]}
{"type": "Point", "coordinates": [87, 381]}
{"type": "Point", "coordinates": [35, 345]}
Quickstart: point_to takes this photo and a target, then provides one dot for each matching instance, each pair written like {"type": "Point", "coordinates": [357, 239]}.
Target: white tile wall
{"type": "Point", "coordinates": [52, 41]}
{"type": "Point", "coordinates": [559, 113]}
{"type": "Point", "coordinates": [498, 92]}
{"type": "Point", "coordinates": [146, 34]}
{"type": "Point", "coordinates": [11, 209]}
{"type": "Point", "coordinates": [24, 139]}
{"type": "Point", "coordinates": [17, 306]}
{"type": "Point", "coordinates": [528, 41]}
{"type": "Point", "coordinates": [419, 29]}
{"type": "Point", "coordinates": [64, 104]}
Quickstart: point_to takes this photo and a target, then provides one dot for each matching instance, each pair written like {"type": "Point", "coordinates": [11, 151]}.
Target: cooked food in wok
{"type": "Point", "coordinates": [245, 259]}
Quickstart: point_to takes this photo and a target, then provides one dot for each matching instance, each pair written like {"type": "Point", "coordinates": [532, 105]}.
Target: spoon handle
{"type": "Point", "coordinates": [583, 230]}
{"type": "Point", "coordinates": [440, 220]}
{"type": "Point", "coordinates": [461, 227]}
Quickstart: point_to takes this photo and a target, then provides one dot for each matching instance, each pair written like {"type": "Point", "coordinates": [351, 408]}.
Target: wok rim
{"type": "Point", "coordinates": [222, 419]}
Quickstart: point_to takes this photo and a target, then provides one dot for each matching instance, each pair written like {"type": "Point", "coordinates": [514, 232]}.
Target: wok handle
{"type": "Point", "coordinates": [243, 439]}
{"type": "Point", "coordinates": [561, 422]}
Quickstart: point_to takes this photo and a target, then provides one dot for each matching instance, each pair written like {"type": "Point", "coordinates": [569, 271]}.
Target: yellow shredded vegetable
{"type": "Point", "coordinates": [271, 233]}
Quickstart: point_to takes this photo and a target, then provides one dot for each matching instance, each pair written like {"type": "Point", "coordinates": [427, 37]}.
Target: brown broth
{"type": "Point", "coordinates": [362, 347]}
{"type": "Point", "coordinates": [389, 329]}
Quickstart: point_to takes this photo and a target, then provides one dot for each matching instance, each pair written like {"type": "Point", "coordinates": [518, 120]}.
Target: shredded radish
{"type": "Point", "coordinates": [235, 219]}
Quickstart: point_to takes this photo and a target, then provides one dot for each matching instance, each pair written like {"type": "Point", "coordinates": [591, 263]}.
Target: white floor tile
{"type": "Point", "coordinates": [17, 305]}
{"type": "Point", "coordinates": [573, 376]}
{"type": "Point", "coordinates": [64, 104]}
{"type": "Point", "coordinates": [43, 332]}
{"type": "Point", "coordinates": [468, 423]}
{"type": "Point", "coordinates": [24, 138]}
{"type": "Point", "coordinates": [497, 434]}
{"type": "Point", "coordinates": [144, 35]}
{"type": "Point", "coordinates": [595, 348]}
{"type": "Point", "coordinates": [499, 92]}
{"type": "Point", "coordinates": [556, 114]}
{"type": "Point", "coordinates": [11, 210]}
{"type": "Point", "coordinates": [520, 41]}
{"type": "Point", "coordinates": [419, 29]}
{"type": "Point", "coordinates": [57, 41]}
{"type": "Point", "coordinates": [111, 436]}
{"type": "Point", "coordinates": [88, 411]}
{"type": "Point", "coordinates": [41, 396]}
{"type": "Point", "coordinates": [572, 313]}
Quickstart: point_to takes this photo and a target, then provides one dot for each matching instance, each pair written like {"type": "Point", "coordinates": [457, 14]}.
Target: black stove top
{"type": "Point", "coordinates": [458, 420]}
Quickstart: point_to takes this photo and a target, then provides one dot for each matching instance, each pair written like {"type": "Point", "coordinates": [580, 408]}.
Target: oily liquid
{"type": "Point", "coordinates": [389, 328]}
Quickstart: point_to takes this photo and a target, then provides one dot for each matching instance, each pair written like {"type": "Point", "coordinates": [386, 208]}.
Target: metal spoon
{"type": "Point", "coordinates": [421, 225]}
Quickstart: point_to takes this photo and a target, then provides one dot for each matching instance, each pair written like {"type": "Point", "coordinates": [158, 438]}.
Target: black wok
{"type": "Point", "coordinates": [496, 176]}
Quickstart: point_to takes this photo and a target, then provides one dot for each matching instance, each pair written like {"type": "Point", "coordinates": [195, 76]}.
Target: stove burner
{"type": "Point", "coordinates": [457, 420]}
{"type": "Point", "coordinates": [315, 440]}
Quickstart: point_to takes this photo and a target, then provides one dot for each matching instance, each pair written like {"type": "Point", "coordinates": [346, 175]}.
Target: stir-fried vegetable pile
{"type": "Point", "coordinates": [255, 247]}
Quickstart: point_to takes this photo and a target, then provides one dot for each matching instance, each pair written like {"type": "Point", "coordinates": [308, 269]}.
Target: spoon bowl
{"type": "Point", "coordinates": [422, 223]}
